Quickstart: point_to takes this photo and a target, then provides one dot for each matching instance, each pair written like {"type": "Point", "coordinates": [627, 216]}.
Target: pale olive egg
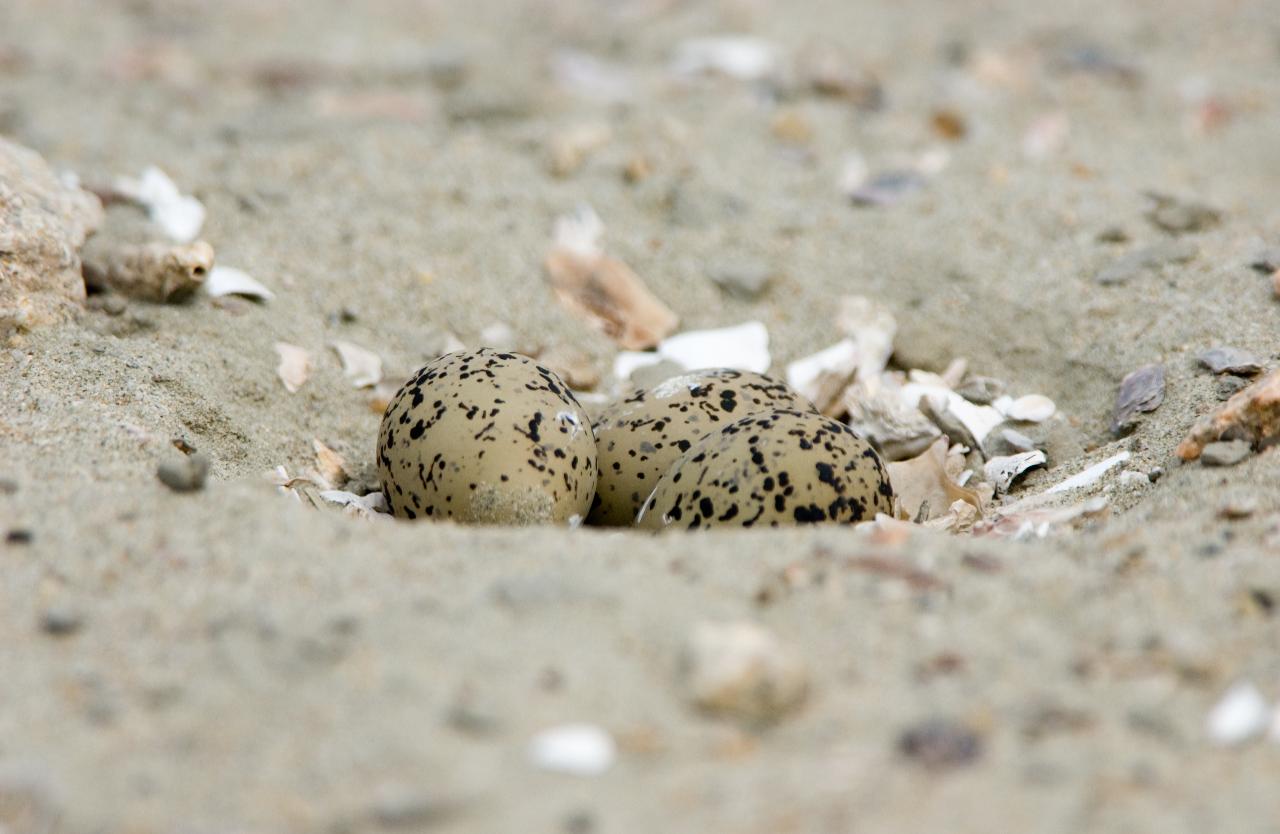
{"type": "Point", "coordinates": [772, 469]}
{"type": "Point", "coordinates": [487, 437]}
{"type": "Point", "coordinates": [638, 438]}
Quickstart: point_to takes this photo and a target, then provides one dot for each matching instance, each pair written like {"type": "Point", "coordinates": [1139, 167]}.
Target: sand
{"type": "Point", "coordinates": [232, 660]}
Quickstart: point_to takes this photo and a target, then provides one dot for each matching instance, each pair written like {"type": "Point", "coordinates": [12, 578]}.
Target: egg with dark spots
{"type": "Point", "coordinates": [772, 469]}
{"type": "Point", "coordinates": [487, 437]}
{"type": "Point", "coordinates": [638, 438]}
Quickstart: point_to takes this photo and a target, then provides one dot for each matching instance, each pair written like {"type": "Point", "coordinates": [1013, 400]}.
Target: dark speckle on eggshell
{"type": "Point", "coordinates": [772, 469]}
{"type": "Point", "coordinates": [642, 435]}
{"type": "Point", "coordinates": [487, 437]}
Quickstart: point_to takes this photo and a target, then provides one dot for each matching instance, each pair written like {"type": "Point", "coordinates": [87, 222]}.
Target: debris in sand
{"type": "Point", "coordinates": [1229, 360]}
{"type": "Point", "coordinates": [570, 148]}
{"type": "Point", "coordinates": [1024, 519]}
{"type": "Point", "coordinates": [1226, 452]}
{"type": "Point", "coordinates": [179, 216]}
{"type": "Point", "coordinates": [330, 466]}
{"type": "Point", "coordinates": [1089, 476]}
{"type": "Point", "coordinates": [949, 424]}
{"type": "Point", "coordinates": [1148, 257]}
{"type": "Point", "coordinates": [590, 77]}
{"type": "Point", "coordinates": [744, 281]}
{"type": "Point", "coordinates": [360, 365]}
{"type": "Point", "coordinates": [791, 126]}
{"type": "Point", "coordinates": [573, 366]}
{"type": "Point", "coordinates": [227, 280]}
{"type": "Point", "coordinates": [1033, 408]}
{"type": "Point", "coordinates": [742, 671]}
{"type": "Point", "coordinates": [294, 367]}
{"type": "Point", "coordinates": [1253, 415]}
{"type": "Point", "coordinates": [740, 57]}
{"type": "Point", "coordinates": [940, 744]}
{"type": "Point", "coordinates": [880, 414]}
{"type": "Point", "coordinates": [160, 272]}
{"type": "Point", "coordinates": [743, 347]}
{"type": "Point", "coordinates": [887, 188]}
{"type": "Point", "coordinates": [1240, 715]}
{"type": "Point", "coordinates": [822, 377]}
{"type": "Point", "coordinates": [1265, 260]}
{"type": "Point", "coordinates": [60, 619]}
{"type": "Point", "coordinates": [574, 749]}
{"type": "Point", "coordinates": [43, 225]}
{"type": "Point", "coordinates": [1141, 391]}
{"type": "Point", "coordinates": [1129, 478]}
{"type": "Point", "coordinates": [187, 474]}
{"type": "Point", "coordinates": [1015, 440]}
{"type": "Point", "coordinates": [1003, 471]}
{"type": "Point", "coordinates": [981, 390]}
{"type": "Point", "coordinates": [498, 336]}
{"type": "Point", "coordinates": [1046, 135]}
{"type": "Point", "coordinates": [827, 71]}
{"type": "Point", "coordinates": [601, 289]}
{"type": "Point", "coordinates": [872, 327]}
{"type": "Point", "coordinates": [978, 420]}
{"type": "Point", "coordinates": [368, 507]}
{"type": "Point", "coordinates": [924, 489]}
{"type": "Point", "coordinates": [1180, 216]}
{"type": "Point", "coordinates": [949, 124]}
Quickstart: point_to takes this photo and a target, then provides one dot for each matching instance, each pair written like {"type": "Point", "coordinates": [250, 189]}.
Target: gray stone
{"type": "Point", "coordinates": [1226, 453]}
{"type": "Point", "coordinates": [981, 390]}
{"type": "Point", "coordinates": [1140, 391]}
{"type": "Point", "coordinates": [745, 281]}
{"type": "Point", "coordinates": [61, 620]}
{"type": "Point", "coordinates": [1148, 257]}
{"type": "Point", "coordinates": [1179, 217]}
{"type": "Point", "coordinates": [185, 475]}
{"type": "Point", "coordinates": [1229, 360]}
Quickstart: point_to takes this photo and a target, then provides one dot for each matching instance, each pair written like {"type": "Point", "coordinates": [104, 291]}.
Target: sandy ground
{"type": "Point", "coordinates": [232, 661]}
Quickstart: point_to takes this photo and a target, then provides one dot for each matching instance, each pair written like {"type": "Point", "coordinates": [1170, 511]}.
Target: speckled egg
{"type": "Point", "coordinates": [640, 437]}
{"type": "Point", "coordinates": [487, 437]}
{"type": "Point", "coordinates": [772, 469]}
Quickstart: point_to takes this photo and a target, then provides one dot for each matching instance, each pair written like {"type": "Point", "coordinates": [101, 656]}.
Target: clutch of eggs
{"type": "Point", "coordinates": [487, 437]}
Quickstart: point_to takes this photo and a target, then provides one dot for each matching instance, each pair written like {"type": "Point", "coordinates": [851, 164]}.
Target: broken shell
{"type": "Point", "coordinates": [227, 280]}
{"type": "Point", "coordinates": [1033, 408]}
{"type": "Point", "coordinates": [294, 367]}
{"type": "Point", "coordinates": [743, 671]}
{"type": "Point", "coordinates": [823, 376]}
{"type": "Point", "coordinates": [1140, 391]}
{"type": "Point", "coordinates": [152, 272]}
{"type": "Point", "coordinates": [178, 215]}
{"type": "Point", "coordinates": [1003, 471]}
{"type": "Point", "coordinates": [882, 415]}
{"type": "Point", "coordinates": [923, 488]}
{"type": "Point", "coordinates": [1229, 360]}
{"type": "Point", "coordinates": [363, 367]}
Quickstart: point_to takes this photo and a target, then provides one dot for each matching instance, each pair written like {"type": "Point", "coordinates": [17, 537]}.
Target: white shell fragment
{"type": "Point", "coordinates": [737, 56]}
{"type": "Point", "coordinates": [227, 280]}
{"type": "Point", "coordinates": [824, 375]}
{"type": "Point", "coordinates": [1089, 476]}
{"type": "Point", "coordinates": [1239, 715]}
{"type": "Point", "coordinates": [575, 749]}
{"type": "Point", "coordinates": [361, 506]}
{"type": "Point", "coordinates": [743, 347]}
{"type": "Point", "coordinates": [1033, 408]}
{"type": "Point", "coordinates": [363, 367]}
{"type": "Point", "coordinates": [1002, 471]}
{"type": "Point", "coordinates": [294, 367]}
{"type": "Point", "coordinates": [872, 327]}
{"type": "Point", "coordinates": [330, 466]}
{"type": "Point", "coordinates": [978, 419]}
{"type": "Point", "coordinates": [179, 216]}
{"type": "Point", "coordinates": [878, 412]}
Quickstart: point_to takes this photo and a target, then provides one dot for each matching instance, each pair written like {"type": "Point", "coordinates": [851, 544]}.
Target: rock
{"type": "Point", "coordinates": [940, 744]}
{"type": "Point", "coordinates": [744, 281]}
{"type": "Point", "coordinates": [981, 390]}
{"type": "Point", "coordinates": [185, 475]}
{"type": "Point", "coordinates": [160, 272]}
{"type": "Point", "coordinates": [1178, 217]}
{"type": "Point", "coordinates": [1253, 415]}
{"type": "Point", "coordinates": [1228, 386]}
{"type": "Point", "coordinates": [43, 225]}
{"type": "Point", "coordinates": [742, 671]}
{"type": "Point", "coordinates": [1226, 453]}
{"type": "Point", "coordinates": [1148, 257]}
{"type": "Point", "coordinates": [1141, 391]}
{"type": "Point", "coordinates": [886, 189]}
{"type": "Point", "coordinates": [1240, 715]}
{"type": "Point", "coordinates": [575, 749]}
{"type": "Point", "coordinates": [61, 620]}
{"type": "Point", "coordinates": [1266, 260]}
{"type": "Point", "coordinates": [1229, 360]}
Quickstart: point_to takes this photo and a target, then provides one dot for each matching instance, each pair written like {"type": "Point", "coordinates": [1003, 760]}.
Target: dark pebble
{"type": "Point", "coordinates": [981, 390]}
{"type": "Point", "coordinates": [743, 281]}
{"type": "Point", "coordinates": [61, 620]}
{"type": "Point", "coordinates": [1228, 386]}
{"type": "Point", "coordinates": [887, 189]}
{"type": "Point", "coordinates": [1179, 217]}
{"type": "Point", "coordinates": [19, 535]}
{"type": "Point", "coordinates": [8, 486]}
{"type": "Point", "coordinates": [940, 744]}
{"type": "Point", "coordinates": [1148, 257]}
{"type": "Point", "coordinates": [185, 475]}
{"type": "Point", "coordinates": [1229, 360]}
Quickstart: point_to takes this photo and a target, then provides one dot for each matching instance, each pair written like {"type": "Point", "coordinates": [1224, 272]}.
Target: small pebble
{"type": "Point", "coordinates": [575, 749]}
{"type": "Point", "coordinates": [1237, 509]}
{"type": "Point", "coordinates": [1229, 360]}
{"type": "Point", "coordinates": [1130, 478]}
{"type": "Point", "coordinates": [1148, 257]}
{"type": "Point", "coordinates": [8, 486]}
{"type": "Point", "coordinates": [185, 475]}
{"type": "Point", "coordinates": [1113, 234]}
{"type": "Point", "coordinates": [1226, 452]}
{"type": "Point", "coordinates": [1179, 217]}
{"type": "Point", "coordinates": [405, 807]}
{"type": "Point", "coordinates": [981, 390]}
{"type": "Point", "coordinates": [19, 535]}
{"type": "Point", "coordinates": [745, 281]}
{"type": "Point", "coordinates": [743, 671]}
{"type": "Point", "coordinates": [1266, 260]}
{"type": "Point", "coordinates": [61, 620]}
{"type": "Point", "coordinates": [887, 189]}
{"type": "Point", "coordinates": [1228, 386]}
{"type": "Point", "coordinates": [1017, 441]}
{"type": "Point", "coordinates": [940, 744]}
{"type": "Point", "coordinates": [1239, 715]}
